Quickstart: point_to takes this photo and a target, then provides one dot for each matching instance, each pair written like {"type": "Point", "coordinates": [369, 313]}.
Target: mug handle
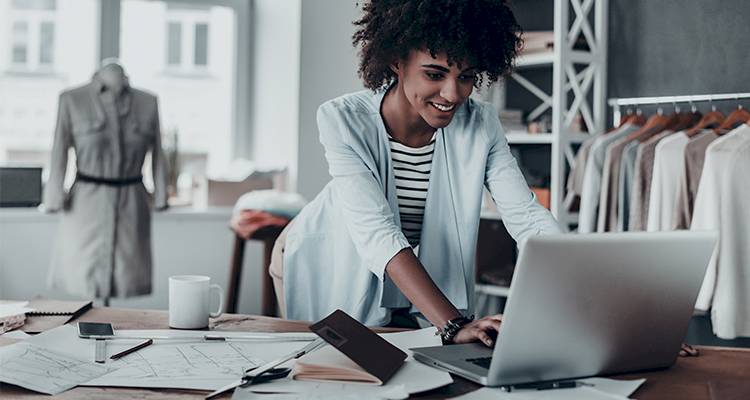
{"type": "Point", "coordinates": [221, 300]}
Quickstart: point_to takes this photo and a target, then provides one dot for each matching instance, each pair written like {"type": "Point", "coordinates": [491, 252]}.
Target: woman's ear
{"type": "Point", "coordinates": [395, 66]}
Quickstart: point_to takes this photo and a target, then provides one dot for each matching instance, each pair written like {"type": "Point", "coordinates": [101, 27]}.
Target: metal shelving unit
{"type": "Point", "coordinates": [579, 84]}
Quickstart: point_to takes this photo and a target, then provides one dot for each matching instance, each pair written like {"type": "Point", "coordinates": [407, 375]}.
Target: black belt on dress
{"type": "Point", "coordinates": [109, 181]}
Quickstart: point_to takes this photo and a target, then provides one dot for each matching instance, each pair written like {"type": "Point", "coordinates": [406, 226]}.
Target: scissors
{"type": "Point", "coordinates": [269, 371]}
{"type": "Point", "coordinates": [271, 374]}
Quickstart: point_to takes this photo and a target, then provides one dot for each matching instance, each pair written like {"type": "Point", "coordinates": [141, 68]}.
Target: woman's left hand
{"type": "Point", "coordinates": [484, 330]}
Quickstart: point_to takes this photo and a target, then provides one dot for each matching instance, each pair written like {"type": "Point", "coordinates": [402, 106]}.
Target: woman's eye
{"type": "Point", "coordinates": [467, 77]}
{"type": "Point", "coordinates": [434, 76]}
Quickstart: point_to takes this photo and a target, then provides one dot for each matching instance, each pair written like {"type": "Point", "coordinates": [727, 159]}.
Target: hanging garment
{"type": "Point", "coordinates": [669, 159]}
{"type": "Point", "coordinates": [625, 184]}
{"type": "Point", "coordinates": [593, 177]}
{"type": "Point", "coordinates": [575, 177]}
{"type": "Point", "coordinates": [720, 205]}
{"type": "Point", "coordinates": [103, 244]}
{"type": "Point", "coordinates": [608, 200]}
{"type": "Point", "coordinates": [695, 154]}
{"type": "Point", "coordinates": [639, 197]}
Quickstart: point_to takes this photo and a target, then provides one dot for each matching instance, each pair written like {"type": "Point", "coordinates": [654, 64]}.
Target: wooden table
{"type": "Point", "coordinates": [719, 373]}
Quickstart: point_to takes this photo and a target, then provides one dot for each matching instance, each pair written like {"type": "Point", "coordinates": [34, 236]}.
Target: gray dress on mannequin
{"type": "Point", "coordinates": [103, 245]}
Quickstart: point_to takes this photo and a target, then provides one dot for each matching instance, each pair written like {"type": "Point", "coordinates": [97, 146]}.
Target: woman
{"type": "Point", "coordinates": [409, 159]}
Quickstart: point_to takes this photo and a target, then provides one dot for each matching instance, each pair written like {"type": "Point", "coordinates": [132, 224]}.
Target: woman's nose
{"type": "Point", "coordinates": [449, 91]}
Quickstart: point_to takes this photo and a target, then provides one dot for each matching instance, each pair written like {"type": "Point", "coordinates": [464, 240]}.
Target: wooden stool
{"type": "Point", "coordinates": [268, 236]}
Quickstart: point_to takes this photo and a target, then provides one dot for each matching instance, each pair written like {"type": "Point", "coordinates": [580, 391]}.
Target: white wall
{"type": "Point", "coordinates": [184, 242]}
{"type": "Point", "coordinates": [303, 56]}
{"type": "Point", "coordinates": [276, 42]}
{"type": "Point", "coordinates": [328, 68]}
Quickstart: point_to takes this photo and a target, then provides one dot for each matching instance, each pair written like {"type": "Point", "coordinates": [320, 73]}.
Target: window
{"type": "Point", "coordinates": [46, 43]}
{"type": "Point", "coordinates": [174, 44]}
{"type": "Point", "coordinates": [185, 53]}
{"type": "Point", "coordinates": [33, 70]}
{"type": "Point", "coordinates": [187, 44]}
{"type": "Point", "coordinates": [201, 45]}
{"type": "Point", "coordinates": [33, 35]}
{"type": "Point", "coordinates": [20, 42]}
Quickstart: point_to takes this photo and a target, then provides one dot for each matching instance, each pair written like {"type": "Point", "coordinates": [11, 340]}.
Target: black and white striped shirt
{"type": "Point", "coordinates": [411, 168]}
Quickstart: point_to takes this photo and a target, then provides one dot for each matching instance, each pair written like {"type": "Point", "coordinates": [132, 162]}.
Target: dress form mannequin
{"type": "Point", "coordinates": [103, 245]}
{"type": "Point", "coordinates": [113, 77]}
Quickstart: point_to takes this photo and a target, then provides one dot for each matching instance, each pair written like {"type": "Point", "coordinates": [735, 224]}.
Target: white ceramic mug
{"type": "Point", "coordinates": [189, 301]}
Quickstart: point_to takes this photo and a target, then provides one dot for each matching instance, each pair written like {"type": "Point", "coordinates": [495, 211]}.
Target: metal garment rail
{"type": "Point", "coordinates": [616, 103]}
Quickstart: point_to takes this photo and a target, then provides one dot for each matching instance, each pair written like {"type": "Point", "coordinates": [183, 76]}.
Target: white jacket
{"type": "Point", "coordinates": [337, 250]}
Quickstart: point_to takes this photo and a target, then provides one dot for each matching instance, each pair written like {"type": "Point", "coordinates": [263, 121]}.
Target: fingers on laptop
{"type": "Point", "coordinates": [496, 317]}
{"type": "Point", "coordinates": [483, 330]}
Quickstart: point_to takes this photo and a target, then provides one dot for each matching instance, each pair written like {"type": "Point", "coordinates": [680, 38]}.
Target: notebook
{"type": "Point", "coordinates": [50, 313]}
{"type": "Point", "coordinates": [355, 354]}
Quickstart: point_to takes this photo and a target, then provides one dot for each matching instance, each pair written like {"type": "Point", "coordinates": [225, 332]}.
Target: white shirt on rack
{"type": "Point", "coordinates": [720, 205]}
{"type": "Point", "coordinates": [669, 161]}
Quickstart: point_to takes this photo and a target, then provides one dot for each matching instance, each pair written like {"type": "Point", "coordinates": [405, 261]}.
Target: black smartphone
{"type": "Point", "coordinates": [95, 330]}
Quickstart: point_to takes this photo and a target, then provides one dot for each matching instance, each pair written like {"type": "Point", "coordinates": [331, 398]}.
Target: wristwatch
{"type": "Point", "coordinates": [449, 332]}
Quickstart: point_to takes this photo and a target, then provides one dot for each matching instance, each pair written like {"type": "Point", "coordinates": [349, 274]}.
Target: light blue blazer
{"type": "Point", "coordinates": [337, 250]}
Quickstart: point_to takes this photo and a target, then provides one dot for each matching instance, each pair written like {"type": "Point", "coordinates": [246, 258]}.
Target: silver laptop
{"type": "Point", "coordinates": [589, 304]}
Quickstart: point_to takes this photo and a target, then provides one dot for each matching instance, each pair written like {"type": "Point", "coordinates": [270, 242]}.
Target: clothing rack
{"type": "Point", "coordinates": [616, 103]}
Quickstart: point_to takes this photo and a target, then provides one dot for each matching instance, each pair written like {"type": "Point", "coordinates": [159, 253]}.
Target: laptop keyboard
{"type": "Point", "coordinates": [483, 362]}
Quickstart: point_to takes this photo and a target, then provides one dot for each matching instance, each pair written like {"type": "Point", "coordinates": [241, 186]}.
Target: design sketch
{"type": "Point", "coordinates": [44, 370]}
{"type": "Point", "coordinates": [187, 365]}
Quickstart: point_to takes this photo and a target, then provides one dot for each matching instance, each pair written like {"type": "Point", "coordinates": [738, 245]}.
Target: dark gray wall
{"type": "Point", "coordinates": [678, 47]}
{"type": "Point", "coordinates": [660, 48]}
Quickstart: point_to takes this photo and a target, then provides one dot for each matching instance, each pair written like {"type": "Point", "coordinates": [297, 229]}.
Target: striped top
{"type": "Point", "coordinates": [411, 168]}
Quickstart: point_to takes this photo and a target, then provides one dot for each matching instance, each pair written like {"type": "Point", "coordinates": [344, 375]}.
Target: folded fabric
{"type": "Point", "coordinates": [275, 202]}
{"type": "Point", "coordinates": [247, 222]}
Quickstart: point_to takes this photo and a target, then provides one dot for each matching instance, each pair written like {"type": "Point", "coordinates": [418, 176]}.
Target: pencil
{"type": "Point", "coordinates": [131, 350]}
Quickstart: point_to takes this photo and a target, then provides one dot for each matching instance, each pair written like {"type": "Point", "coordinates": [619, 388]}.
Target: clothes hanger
{"type": "Point", "coordinates": [733, 120]}
{"type": "Point", "coordinates": [626, 118]}
{"type": "Point", "coordinates": [637, 118]}
{"type": "Point", "coordinates": [675, 119]}
{"type": "Point", "coordinates": [712, 119]}
{"type": "Point", "coordinates": [684, 120]}
{"type": "Point", "coordinates": [655, 124]}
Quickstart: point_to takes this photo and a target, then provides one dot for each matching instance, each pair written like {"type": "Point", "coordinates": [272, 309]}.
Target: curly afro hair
{"type": "Point", "coordinates": [483, 33]}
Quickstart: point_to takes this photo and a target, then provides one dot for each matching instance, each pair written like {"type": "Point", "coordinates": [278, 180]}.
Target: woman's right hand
{"type": "Point", "coordinates": [483, 330]}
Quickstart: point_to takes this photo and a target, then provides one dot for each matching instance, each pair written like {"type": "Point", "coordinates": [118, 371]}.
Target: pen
{"type": "Point", "coordinates": [558, 385]}
{"type": "Point", "coordinates": [132, 349]}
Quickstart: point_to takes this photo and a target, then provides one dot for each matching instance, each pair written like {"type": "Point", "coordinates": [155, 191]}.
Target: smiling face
{"type": "Point", "coordinates": [433, 88]}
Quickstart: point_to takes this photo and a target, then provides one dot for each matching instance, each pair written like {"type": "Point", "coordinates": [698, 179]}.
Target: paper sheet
{"type": "Point", "coordinates": [203, 366]}
{"type": "Point", "coordinates": [596, 389]}
{"type": "Point", "coordinates": [21, 335]}
{"type": "Point", "coordinates": [65, 338]}
{"type": "Point", "coordinates": [247, 395]}
{"type": "Point", "coordinates": [170, 364]}
{"type": "Point", "coordinates": [413, 377]}
{"type": "Point", "coordinates": [324, 395]}
{"type": "Point", "coordinates": [44, 370]}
